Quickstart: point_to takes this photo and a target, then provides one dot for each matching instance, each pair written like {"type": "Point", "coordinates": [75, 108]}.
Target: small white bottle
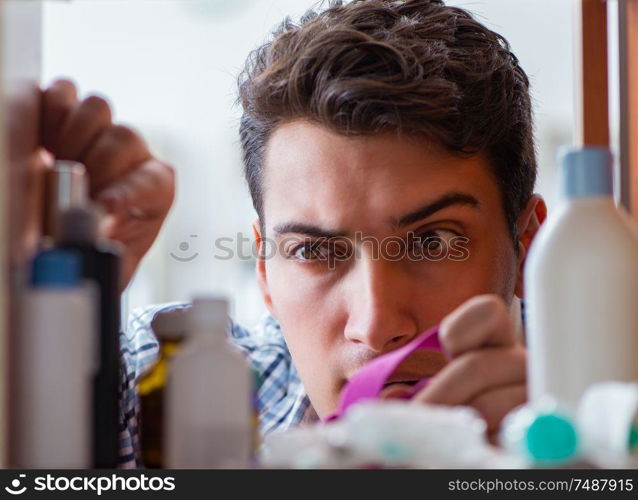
{"type": "Point", "coordinates": [581, 287]}
{"type": "Point", "coordinates": [608, 422]}
{"type": "Point", "coordinates": [55, 365]}
{"type": "Point", "coordinates": [209, 411]}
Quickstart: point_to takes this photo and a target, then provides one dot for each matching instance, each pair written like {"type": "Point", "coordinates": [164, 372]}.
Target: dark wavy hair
{"type": "Point", "coordinates": [374, 66]}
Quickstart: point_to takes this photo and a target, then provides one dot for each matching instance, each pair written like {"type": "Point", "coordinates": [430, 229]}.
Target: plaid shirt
{"type": "Point", "coordinates": [281, 399]}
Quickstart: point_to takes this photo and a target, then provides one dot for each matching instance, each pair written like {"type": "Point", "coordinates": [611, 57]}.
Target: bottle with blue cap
{"type": "Point", "coordinates": [543, 433]}
{"type": "Point", "coordinates": [581, 286]}
{"type": "Point", "coordinates": [55, 365]}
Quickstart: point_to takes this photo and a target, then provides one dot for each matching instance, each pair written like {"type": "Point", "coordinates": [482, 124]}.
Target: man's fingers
{"type": "Point", "coordinates": [82, 127]}
{"type": "Point", "coordinates": [143, 194]}
{"type": "Point", "coordinates": [482, 321]}
{"type": "Point", "coordinates": [136, 207]}
{"type": "Point", "coordinates": [495, 404]}
{"type": "Point", "coordinates": [473, 373]}
{"type": "Point", "coordinates": [58, 101]}
{"type": "Point", "coordinates": [117, 151]}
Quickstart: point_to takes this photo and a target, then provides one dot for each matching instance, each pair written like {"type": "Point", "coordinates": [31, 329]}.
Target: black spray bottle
{"type": "Point", "coordinates": [78, 230]}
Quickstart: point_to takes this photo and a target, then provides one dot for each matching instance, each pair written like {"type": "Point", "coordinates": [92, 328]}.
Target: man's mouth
{"type": "Point", "coordinates": [398, 390]}
{"type": "Point", "coordinates": [400, 385]}
{"type": "Point", "coordinates": [412, 375]}
{"type": "Point", "coordinates": [408, 381]}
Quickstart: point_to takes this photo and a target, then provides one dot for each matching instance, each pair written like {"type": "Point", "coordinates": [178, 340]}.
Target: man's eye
{"type": "Point", "coordinates": [321, 251]}
{"type": "Point", "coordinates": [309, 252]}
{"type": "Point", "coordinates": [432, 244]}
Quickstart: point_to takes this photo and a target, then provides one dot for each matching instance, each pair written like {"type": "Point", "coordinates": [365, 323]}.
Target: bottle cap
{"type": "Point", "coordinates": [65, 186]}
{"type": "Point", "coordinates": [56, 268]}
{"type": "Point", "coordinates": [172, 324]}
{"type": "Point", "coordinates": [551, 438]}
{"type": "Point", "coordinates": [78, 225]}
{"type": "Point", "coordinates": [586, 172]}
{"type": "Point", "coordinates": [209, 314]}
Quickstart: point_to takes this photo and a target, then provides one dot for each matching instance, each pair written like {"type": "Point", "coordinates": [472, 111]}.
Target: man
{"type": "Point", "coordinates": [372, 122]}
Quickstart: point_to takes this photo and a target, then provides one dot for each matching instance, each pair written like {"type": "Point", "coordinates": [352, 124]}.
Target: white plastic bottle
{"type": "Point", "coordinates": [608, 422]}
{"type": "Point", "coordinates": [581, 287]}
{"type": "Point", "coordinates": [55, 366]}
{"type": "Point", "coordinates": [209, 412]}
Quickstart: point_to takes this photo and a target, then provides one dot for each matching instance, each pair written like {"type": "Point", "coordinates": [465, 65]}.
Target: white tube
{"type": "Point", "coordinates": [55, 363]}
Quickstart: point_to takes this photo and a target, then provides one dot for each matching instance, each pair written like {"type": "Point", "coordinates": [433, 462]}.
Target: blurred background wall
{"type": "Point", "coordinates": [169, 67]}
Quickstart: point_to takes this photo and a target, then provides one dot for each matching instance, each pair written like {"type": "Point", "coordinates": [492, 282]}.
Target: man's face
{"type": "Point", "coordinates": [378, 285]}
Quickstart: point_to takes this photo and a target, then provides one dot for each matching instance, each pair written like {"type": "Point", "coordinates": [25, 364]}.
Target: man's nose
{"type": "Point", "coordinates": [378, 301]}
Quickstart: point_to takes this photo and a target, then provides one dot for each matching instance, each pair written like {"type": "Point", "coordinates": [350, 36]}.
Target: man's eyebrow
{"type": "Point", "coordinates": [308, 230]}
{"type": "Point", "coordinates": [448, 199]}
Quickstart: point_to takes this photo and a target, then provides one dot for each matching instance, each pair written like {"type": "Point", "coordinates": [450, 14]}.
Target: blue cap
{"type": "Point", "coordinates": [56, 268]}
{"type": "Point", "coordinates": [586, 172]}
{"type": "Point", "coordinates": [551, 438]}
{"type": "Point", "coordinates": [633, 437]}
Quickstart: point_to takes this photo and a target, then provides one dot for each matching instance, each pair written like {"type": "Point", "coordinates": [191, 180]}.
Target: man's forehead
{"type": "Point", "coordinates": [305, 141]}
{"type": "Point", "coordinates": [300, 143]}
{"type": "Point", "coordinates": [312, 172]}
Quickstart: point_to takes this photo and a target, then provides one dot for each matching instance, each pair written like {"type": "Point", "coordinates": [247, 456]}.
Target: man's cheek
{"type": "Point", "coordinates": [313, 358]}
{"type": "Point", "coordinates": [312, 340]}
{"type": "Point", "coordinates": [309, 309]}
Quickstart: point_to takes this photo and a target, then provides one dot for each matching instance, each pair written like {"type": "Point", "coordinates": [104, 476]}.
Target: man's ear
{"type": "Point", "coordinates": [528, 224]}
{"type": "Point", "coordinates": [260, 266]}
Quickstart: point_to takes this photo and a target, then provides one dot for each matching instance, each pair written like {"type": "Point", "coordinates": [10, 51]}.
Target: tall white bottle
{"type": "Point", "coordinates": [581, 286]}
{"type": "Point", "coordinates": [209, 412]}
{"type": "Point", "coordinates": [55, 366]}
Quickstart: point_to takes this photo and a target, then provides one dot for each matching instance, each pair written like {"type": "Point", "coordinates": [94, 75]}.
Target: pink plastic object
{"type": "Point", "coordinates": [369, 381]}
